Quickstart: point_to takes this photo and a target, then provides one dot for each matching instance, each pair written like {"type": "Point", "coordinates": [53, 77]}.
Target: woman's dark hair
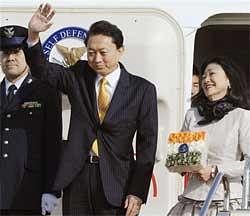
{"type": "Point", "coordinates": [107, 29]}
{"type": "Point", "coordinates": [238, 91]}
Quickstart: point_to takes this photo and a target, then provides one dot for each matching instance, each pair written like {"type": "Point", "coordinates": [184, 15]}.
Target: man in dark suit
{"type": "Point", "coordinates": [98, 172]}
{"type": "Point", "coordinates": [31, 127]}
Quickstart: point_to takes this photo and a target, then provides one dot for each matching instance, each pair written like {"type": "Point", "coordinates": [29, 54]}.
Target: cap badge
{"type": "Point", "coordinates": [9, 32]}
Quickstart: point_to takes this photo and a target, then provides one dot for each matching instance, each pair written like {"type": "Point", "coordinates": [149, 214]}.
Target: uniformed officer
{"type": "Point", "coordinates": [30, 112]}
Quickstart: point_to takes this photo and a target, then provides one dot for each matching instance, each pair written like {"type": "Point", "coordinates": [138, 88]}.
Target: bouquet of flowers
{"type": "Point", "coordinates": [186, 151]}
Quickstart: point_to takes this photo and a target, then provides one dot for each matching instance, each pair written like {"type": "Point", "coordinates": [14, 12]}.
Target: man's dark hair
{"type": "Point", "coordinates": [196, 72]}
{"type": "Point", "coordinates": [238, 91]}
{"type": "Point", "coordinates": [107, 29]}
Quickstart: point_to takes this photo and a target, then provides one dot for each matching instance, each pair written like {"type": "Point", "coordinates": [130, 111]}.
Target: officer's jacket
{"type": "Point", "coordinates": [30, 144]}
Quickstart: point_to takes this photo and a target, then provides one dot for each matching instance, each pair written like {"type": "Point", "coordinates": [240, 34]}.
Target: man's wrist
{"type": "Point", "coordinates": [33, 38]}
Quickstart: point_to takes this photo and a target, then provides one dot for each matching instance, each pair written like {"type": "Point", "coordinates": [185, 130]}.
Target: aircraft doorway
{"type": "Point", "coordinates": [225, 35]}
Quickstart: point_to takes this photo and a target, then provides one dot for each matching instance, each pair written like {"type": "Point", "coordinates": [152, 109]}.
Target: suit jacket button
{"type": "Point", "coordinates": [8, 115]}
{"type": "Point", "coordinates": [5, 155]}
{"type": "Point", "coordinates": [6, 129]}
{"type": "Point", "coordinates": [30, 113]}
{"type": "Point", "coordinates": [6, 142]}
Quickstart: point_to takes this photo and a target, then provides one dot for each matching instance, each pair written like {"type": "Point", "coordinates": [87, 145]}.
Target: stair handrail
{"type": "Point", "coordinates": [215, 184]}
{"type": "Point", "coordinates": [246, 184]}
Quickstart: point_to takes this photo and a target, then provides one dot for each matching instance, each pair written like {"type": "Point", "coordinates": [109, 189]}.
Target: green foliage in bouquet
{"type": "Point", "coordinates": [184, 159]}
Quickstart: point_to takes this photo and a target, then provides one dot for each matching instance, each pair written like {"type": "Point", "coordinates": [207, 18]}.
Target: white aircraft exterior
{"type": "Point", "coordinates": [159, 42]}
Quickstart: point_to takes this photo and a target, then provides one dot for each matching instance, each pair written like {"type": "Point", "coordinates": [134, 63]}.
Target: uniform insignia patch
{"type": "Point", "coordinates": [31, 104]}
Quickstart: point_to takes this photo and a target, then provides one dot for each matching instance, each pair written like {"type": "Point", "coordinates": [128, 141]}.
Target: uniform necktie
{"type": "Point", "coordinates": [103, 104]}
{"type": "Point", "coordinates": [11, 94]}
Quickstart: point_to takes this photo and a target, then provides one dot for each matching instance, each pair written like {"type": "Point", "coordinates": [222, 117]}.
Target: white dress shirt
{"type": "Point", "coordinates": [112, 79]}
{"type": "Point", "coordinates": [18, 83]}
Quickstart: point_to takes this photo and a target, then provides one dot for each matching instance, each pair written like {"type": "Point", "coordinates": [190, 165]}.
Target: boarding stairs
{"type": "Point", "coordinates": [245, 206]}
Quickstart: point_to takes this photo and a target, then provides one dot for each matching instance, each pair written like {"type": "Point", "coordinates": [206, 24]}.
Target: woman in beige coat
{"type": "Point", "coordinates": [220, 109]}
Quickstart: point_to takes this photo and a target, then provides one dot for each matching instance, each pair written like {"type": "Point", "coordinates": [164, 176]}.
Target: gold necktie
{"type": "Point", "coordinates": [103, 99]}
{"type": "Point", "coordinates": [103, 104]}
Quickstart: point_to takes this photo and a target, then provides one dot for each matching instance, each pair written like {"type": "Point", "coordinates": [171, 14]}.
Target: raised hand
{"type": "Point", "coordinates": [40, 22]}
{"type": "Point", "coordinates": [41, 19]}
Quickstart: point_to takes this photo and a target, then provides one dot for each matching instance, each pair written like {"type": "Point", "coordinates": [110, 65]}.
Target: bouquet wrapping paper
{"type": "Point", "coordinates": [186, 151]}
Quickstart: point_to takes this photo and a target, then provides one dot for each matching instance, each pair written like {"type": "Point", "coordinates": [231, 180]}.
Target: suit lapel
{"type": "Point", "coordinates": [119, 93]}
{"type": "Point", "coordinates": [91, 77]}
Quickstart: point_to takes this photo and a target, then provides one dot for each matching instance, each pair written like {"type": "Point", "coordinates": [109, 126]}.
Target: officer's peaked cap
{"type": "Point", "coordinates": [12, 36]}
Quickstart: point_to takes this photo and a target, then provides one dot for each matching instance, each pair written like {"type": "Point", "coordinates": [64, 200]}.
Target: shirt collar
{"type": "Point", "coordinates": [112, 77]}
{"type": "Point", "coordinates": [18, 83]}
